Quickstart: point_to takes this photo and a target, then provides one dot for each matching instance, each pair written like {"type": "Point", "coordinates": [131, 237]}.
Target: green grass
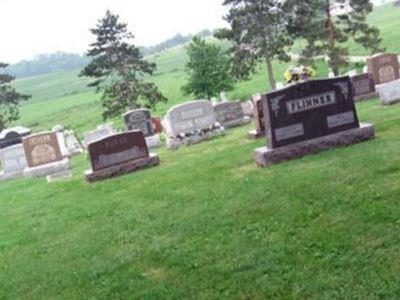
{"type": "Point", "coordinates": [208, 224]}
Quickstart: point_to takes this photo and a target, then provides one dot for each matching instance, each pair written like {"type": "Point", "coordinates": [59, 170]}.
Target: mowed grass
{"type": "Point", "coordinates": [208, 224]}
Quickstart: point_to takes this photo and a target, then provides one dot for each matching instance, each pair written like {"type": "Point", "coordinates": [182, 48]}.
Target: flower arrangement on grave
{"type": "Point", "coordinates": [299, 74]}
{"type": "Point", "coordinates": [199, 132]}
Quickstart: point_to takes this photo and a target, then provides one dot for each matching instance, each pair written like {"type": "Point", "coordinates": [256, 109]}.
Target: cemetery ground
{"type": "Point", "coordinates": [207, 223]}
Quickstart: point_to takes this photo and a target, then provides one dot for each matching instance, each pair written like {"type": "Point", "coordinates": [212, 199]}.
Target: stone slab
{"type": "Point", "coordinates": [265, 156]}
{"type": "Point", "coordinates": [175, 143]}
{"type": "Point", "coordinates": [44, 170]}
{"type": "Point", "coordinates": [122, 169]}
{"type": "Point", "coordinates": [153, 141]}
{"type": "Point", "coordinates": [59, 176]}
{"type": "Point", "coordinates": [389, 93]}
{"type": "Point", "coordinates": [366, 97]}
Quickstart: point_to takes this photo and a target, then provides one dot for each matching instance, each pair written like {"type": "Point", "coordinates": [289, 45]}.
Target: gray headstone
{"type": "Point", "coordinates": [389, 92]}
{"type": "Point", "coordinates": [101, 132]}
{"type": "Point", "coordinates": [139, 119]}
{"type": "Point", "coordinates": [13, 162]}
{"type": "Point", "coordinates": [230, 114]}
{"type": "Point", "coordinates": [189, 117]}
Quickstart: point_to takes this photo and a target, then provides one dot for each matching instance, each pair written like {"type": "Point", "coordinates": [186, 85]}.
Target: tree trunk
{"type": "Point", "coordinates": [331, 39]}
{"type": "Point", "coordinates": [270, 72]}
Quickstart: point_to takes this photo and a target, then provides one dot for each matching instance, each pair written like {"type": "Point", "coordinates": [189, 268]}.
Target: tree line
{"type": "Point", "coordinates": [260, 31]}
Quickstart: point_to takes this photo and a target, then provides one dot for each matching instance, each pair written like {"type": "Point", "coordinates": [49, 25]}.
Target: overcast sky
{"type": "Point", "coordinates": [31, 27]}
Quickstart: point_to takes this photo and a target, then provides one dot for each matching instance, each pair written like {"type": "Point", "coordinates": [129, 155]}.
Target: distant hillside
{"type": "Point", "coordinates": [61, 61]}
{"type": "Point", "coordinates": [48, 63]}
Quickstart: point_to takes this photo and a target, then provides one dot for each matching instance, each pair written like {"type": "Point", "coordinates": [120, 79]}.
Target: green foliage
{"type": "Point", "coordinates": [208, 70]}
{"type": "Point", "coordinates": [257, 32]}
{"type": "Point", "coordinates": [118, 68]}
{"type": "Point", "coordinates": [327, 34]}
{"type": "Point", "coordinates": [9, 99]}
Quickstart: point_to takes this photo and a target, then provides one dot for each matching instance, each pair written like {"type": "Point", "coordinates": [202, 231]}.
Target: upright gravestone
{"type": "Point", "coordinates": [13, 162]}
{"type": "Point", "coordinates": [119, 154]}
{"type": "Point", "coordinates": [13, 136]}
{"type": "Point", "coordinates": [73, 145]}
{"type": "Point", "coordinates": [43, 156]}
{"type": "Point", "coordinates": [230, 114]}
{"type": "Point", "coordinates": [100, 132]}
{"type": "Point", "coordinates": [140, 119]}
{"type": "Point", "coordinates": [59, 130]}
{"type": "Point", "coordinates": [310, 117]}
{"type": "Point", "coordinates": [248, 108]}
{"type": "Point", "coordinates": [157, 125]}
{"type": "Point", "coordinates": [191, 123]}
{"type": "Point", "coordinates": [258, 119]}
{"type": "Point", "coordinates": [384, 67]}
{"type": "Point", "coordinates": [389, 93]}
{"type": "Point", "coordinates": [363, 87]}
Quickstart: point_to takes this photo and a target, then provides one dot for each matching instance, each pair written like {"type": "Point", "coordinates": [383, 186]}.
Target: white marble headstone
{"type": "Point", "coordinates": [389, 92]}
{"type": "Point", "coordinates": [13, 162]}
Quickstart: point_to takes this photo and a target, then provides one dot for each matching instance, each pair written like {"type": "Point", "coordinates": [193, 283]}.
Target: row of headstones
{"type": "Point", "coordinates": [381, 78]}
{"type": "Point", "coordinates": [112, 153]}
{"type": "Point", "coordinates": [297, 120]}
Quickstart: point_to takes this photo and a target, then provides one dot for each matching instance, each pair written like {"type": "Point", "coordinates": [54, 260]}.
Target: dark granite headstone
{"type": "Point", "coordinates": [139, 119]}
{"type": "Point", "coordinates": [117, 149]}
{"type": "Point", "coordinates": [384, 67]}
{"type": "Point", "coordinates": [310, 117]}
{"type": "Point", "coordinates": [363, 87]}
{"type": "Point", "coordinates": [309, 110]}
{"type": "Point", "coordinates": [13, 136]}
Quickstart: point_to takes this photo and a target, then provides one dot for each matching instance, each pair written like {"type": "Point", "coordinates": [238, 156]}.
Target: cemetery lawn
{"type": "Point", "coordinates": [208, 224]}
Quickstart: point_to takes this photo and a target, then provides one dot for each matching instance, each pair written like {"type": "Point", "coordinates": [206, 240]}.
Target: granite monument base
{"type": "Point", "coordinates": [121, 169]}
{"type": "Point", "coordinates": [47, 169]}
{"type": "Point", "coordinates": [59, 176]}
{"type": "Point", "coordinates": [265, 157]}
{"type": "Point", "coordinates": [5, 176]}
{"type": "Point", "coordinates": [366, 97]}
{"type": "Point", "coordinates": [255, 134]}
{"type": "Point", "coordinates": [236, 123]}
{"type": "Point", "coordinates": [176, 142]}
{"type": "Point", "coordinates": [153, 141]}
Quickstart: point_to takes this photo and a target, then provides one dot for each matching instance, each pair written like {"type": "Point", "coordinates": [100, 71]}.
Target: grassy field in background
{"type": "Point", "coordinates": [208, 224]}
{"type": "Point", "coordinates": [64, 97]}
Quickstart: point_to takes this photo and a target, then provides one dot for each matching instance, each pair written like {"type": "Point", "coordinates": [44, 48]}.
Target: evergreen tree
{"type": "Point", "coordinates": [9, 99]}
{"type": "Point", "coordinates": [119, 69]}
{"type": "Point", "coordinates": [208, 69]}
{"type": "Point", "coordinates": [258, 32]}
{"type": "Point", "coordinates": [327, 30]}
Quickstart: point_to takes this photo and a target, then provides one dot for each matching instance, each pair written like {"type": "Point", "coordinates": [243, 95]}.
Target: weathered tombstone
{"type": "Point", "coordinates": [230, 114]}
{"type": "Point", "coordinates": [59, 130]}
{"type": "Point", "coordinates": [13, 162]}
{"type": "Point", "coordinates": [73, 145]}
{"type": "Point", "coordinates": [383, 67]}
{"type": "Point", "coordinates": [13, 136]}
{"type": "Point", "coordinates": [248, 108]}
{"type": "Point", "coordinates": [308, 118]}
{"type": "Point", "coordinates": [140, 119]}
{"type": "Point", "coordinates": [119, 154]}
{"type": "Point", "coordinates": [390, 92]}
{"type": "Point", "coordinates": [101, 132]}
{"type": "Point", "coordinates": [43, 155]}
{"type": "Point", "coordinates": [191, 123]}
{"type": "Point", "coordinates": [157, 125]}
{"type": "Point", "coordinates": [363, 87]}
{"type": "Point", "coordinates": [258, 118]}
